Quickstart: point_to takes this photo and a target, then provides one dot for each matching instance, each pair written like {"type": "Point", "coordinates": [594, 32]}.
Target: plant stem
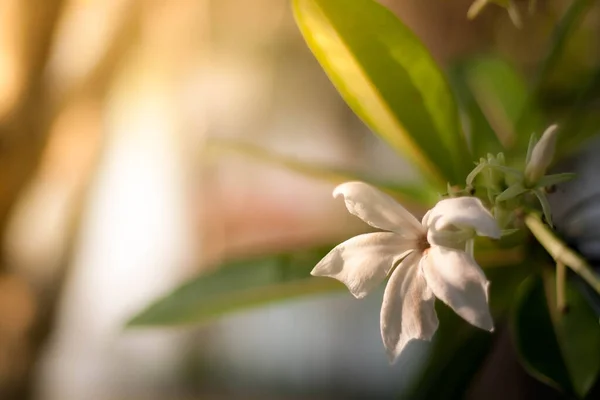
{"type": "Point", "coordinates": [561, 280]}
{"type": "Point", "coordinates": [560, 251]}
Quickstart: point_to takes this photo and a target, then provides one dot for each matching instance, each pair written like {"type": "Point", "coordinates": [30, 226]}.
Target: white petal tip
{"type": "Point", "coordinates": [337, 191]}
{"type": "Point", "coordinates": [392, 356]}
{"type": "Point", "coordinates": [488, 324]}
{"type": "Point", "coordinates": [491, 231]}
{"type": "Point", "coordinates": [551, 129]}
{"type": "Point", "coordinates": [320, 272]}
{"type": "Point", "coordinates": [341, 189]}
{"type": "Point", "coordinates": [485, 325]}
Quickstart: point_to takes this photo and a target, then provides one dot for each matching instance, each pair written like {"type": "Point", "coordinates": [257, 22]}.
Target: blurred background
{"type": "Point", "coordinates": [110, 195]}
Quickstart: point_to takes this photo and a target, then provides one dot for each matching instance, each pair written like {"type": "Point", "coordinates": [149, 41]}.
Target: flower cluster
{"type": "Point", "coordinates": [433, 258]}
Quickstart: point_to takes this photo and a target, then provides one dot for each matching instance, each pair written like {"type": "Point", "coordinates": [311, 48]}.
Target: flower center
{"type": "Point", "coordinates": [422, 243]}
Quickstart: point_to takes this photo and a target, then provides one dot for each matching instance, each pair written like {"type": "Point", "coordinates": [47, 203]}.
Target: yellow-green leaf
{"type": "Point", "coordinates": [390, 80]}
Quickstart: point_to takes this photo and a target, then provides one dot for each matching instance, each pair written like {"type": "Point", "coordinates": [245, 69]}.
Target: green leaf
{"type": "Point", "coordinates": [390, 80]}
{"type": "Point", "coordinates": [511, 192]}
{"type": "Point", "coordinates": [508, 232]}
{"type": "Point", "coordinates": [555, 179]}
{"type": "Point", "coordinates": [560, 349]}
{"type": "Point", "coordinates": [578, 334]}
{"type": "Point", "coordinates": [546, 209]}
{"type": "Point", "coordinates": [418, 194]}
{"type": "Point", "coordinates": [503, 96]}
{"type": "Point", "coordinates": [534, 336]}
{"type": "Point", "coordinates": [236, 286]}
{"type": "Point", "coordinates": [476, 171]}
{"type": "Point", "coordinates": [482, 137]}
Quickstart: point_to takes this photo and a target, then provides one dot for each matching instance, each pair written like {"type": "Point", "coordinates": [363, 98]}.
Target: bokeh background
{"type": "Point", "coordinates": [110, 194]}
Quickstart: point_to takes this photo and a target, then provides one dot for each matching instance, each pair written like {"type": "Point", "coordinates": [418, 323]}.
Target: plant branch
{"type": "Point", "coordinates": [560, 251]}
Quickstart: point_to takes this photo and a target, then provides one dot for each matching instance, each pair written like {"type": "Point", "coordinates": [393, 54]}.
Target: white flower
{"type": "Point", "coordinates": [429, 257]}
{"type": "Point", "coordinates": [540, 156]}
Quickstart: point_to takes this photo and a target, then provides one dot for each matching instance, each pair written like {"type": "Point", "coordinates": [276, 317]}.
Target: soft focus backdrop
{"type": "Point", "coordinates": [110, 195]}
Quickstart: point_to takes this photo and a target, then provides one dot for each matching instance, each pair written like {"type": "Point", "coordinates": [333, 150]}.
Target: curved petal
{"type": "Point", "coordinates": [463, 213]}
{"type": "Point", "coordinates": [425, 219]}
{"type": "Point", "coordinates": [408, 310]}
{"type": "Point", "coordinates": [449, 237]}
{"type": "Point", "coordinates": [456, 279]}
{"type": "Point", "coordinates": [363, 262]}
{"type": "Point", "coordinates": [378, 209]}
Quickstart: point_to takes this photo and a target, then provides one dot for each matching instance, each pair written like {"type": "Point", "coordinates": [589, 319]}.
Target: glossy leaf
{"type": "Point", "coordinates": [559, 349]}
{"type": "Point", "coordinates": [390, 80]}
{"type": "Point", "coordinates": [421, 195]}
{"type": "Point", "coordinates": [236, 286]}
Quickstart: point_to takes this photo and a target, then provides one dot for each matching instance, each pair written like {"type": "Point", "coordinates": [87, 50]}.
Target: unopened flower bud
{"type": "Point", "coordinates": [541, 156]}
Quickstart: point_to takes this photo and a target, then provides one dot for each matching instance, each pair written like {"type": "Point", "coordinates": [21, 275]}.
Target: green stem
{"type": "Point", "coordinates": [561, 281]}
{"type": "Point", "coordinates": [560, 251]}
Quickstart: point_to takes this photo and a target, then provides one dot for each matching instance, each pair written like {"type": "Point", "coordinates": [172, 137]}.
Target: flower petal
{"type": "Point", "coordinates": [378, 209]}
{"type": "Point", "coordinates": [408, 310]}
{"type": "Point", "coordinates": [363, 262]}
{"type": "Point", "coordinates": [455, 238]}
{"type": "Point", "coordinates": [463, 212]}
{"type": "Point", "coordinates": [456, 279]}
{"type": "Point", "coordinates": [425, 219]}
